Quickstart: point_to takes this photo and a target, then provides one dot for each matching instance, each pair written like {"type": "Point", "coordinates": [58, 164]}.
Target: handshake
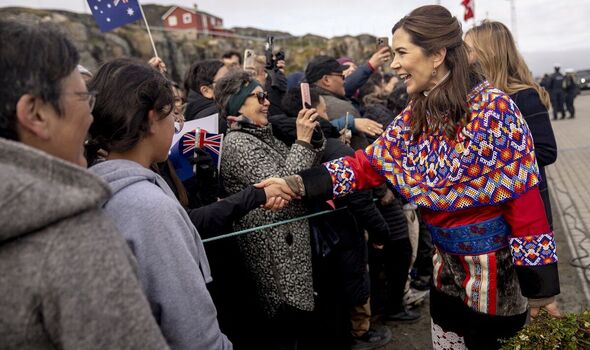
{"type": "Point", "coordinates": [278, 193]}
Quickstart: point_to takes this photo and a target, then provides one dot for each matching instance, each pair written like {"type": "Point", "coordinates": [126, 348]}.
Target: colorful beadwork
{"type": "Point", "coordinates": [492, 159]}
{"type": "Point", "coordinates": [535, 250]}
{"type": "Point", "coordinates": [343, 179]}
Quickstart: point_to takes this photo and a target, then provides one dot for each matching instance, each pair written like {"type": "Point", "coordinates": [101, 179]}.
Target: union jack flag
{"type": "Point", "coordinates": [211, 143]}
{"type": "Point", "coordinates": [182, 152]}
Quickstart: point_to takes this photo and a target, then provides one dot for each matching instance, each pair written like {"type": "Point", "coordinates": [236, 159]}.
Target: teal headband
{"type": "Point", "coordinates": [237, 100]}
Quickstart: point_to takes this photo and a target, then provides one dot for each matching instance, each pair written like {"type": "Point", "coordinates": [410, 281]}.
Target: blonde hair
{"type": "Point", "coordinates": [500, 61]}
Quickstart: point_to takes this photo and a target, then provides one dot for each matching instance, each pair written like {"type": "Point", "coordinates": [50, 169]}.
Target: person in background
{"type": "Point", "coordinates": [492, 47]}
{"type": "Point", "coordinates": [232, 60]}
{"type": "Point", "coordinates": [571, 91]}
{"type": "Point", "coordinates": [170, 254]}
{"type": "Point", "coordinates": [199, 87]}
{"type": "Point", "coordinates": [501, 263]}
{"type": "Point", "coordinates": [325, 73]}
{"type": "Point", "coordinates": [69, 281]}
{"type": "Point", "coordinates": [390, 80]}
{"type": "Point", "coordinates": [556, 92]}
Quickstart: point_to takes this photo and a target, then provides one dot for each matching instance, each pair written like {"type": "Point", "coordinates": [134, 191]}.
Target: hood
{"type": "Point", "coordinates": [121, 173]}
{"type": "Point", "coordinates": [37, 190]}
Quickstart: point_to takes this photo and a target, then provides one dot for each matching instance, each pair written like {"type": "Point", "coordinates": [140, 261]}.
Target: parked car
{"type": "Point", "coordinates": [583, 79]}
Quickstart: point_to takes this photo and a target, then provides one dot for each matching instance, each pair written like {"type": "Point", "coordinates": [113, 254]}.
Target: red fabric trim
{"type": "Point", "coordinates": [366, 176]}
{"type": "Point", "coordinates": [371, 66]}
{"type": "Point", "coordinates": [526, 214]}
{"type": "Point", "coordinates": [459, 217]}
{"type": "Point", "coordinates": [492, 290]}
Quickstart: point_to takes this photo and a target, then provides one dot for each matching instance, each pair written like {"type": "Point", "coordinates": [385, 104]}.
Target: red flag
{"type": "Point", "coordinates": [468, 9]}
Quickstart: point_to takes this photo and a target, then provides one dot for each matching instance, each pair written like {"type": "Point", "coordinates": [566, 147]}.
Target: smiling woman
{"type": "Point", "coordinates": [279, 258]}
{"type": "Point", "coordinates": [462, 152]}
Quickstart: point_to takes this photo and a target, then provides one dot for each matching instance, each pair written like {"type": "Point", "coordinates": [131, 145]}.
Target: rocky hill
{"type": "Point", "coordinates": [180, 48]}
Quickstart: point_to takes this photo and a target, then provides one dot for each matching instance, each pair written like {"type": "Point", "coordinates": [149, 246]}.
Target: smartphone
{"type": "Point", "coordinates": [305, 95]}
{"type": "Point", "coordinates": [382, 42]}
{"type": "Point", "coordinates": [249, 58]}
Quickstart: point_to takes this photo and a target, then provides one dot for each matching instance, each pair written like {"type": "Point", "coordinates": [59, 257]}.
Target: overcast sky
{"type": "Point", "coordinates": [541, 25]}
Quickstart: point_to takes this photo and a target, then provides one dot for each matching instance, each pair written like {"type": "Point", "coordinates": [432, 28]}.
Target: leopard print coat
{"type": "Point", "coordinates": [278, 258]}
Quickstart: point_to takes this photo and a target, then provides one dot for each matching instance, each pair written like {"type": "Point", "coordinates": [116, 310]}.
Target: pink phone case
{"type": "Point", "coordinates": [305, 96]}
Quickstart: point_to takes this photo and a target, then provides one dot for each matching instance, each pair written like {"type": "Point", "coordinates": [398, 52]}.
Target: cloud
{"type": "Point", "coordinates": [542, 25]}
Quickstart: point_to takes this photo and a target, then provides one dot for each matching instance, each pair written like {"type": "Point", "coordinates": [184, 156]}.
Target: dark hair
{"type": "Point", "coordinates": [127, 90]}
{"type": "Point", "coordinates": [230, 54]}
{"type": "Point", "coordinates": [292, 104]}
{"type": "Point", "coordinates": [228, 86]}
{"type": "Point", "coordinates": [388, 76]}
{"type": "Point", "coordinates": [397, 100]}
{"type": "Point", "coordinates": [375, 80]}
{"type": "Point", "coordinates": [200, 74]}
{"type": "Point", "coordinates": [39, 72]}
{"type": "Point", "coordinates": [432, 28]}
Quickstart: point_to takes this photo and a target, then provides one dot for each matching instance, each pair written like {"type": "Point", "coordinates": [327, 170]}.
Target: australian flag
{"type": "Point", "coordinates": [110, 14]}
{"type": "Point", "coordinates": [183, 152]}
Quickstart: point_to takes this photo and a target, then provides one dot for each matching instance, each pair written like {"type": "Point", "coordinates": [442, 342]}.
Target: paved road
{"type": "Point", "coordinates": [569, 185]}
{"type": "Point", "coordinates": [569, 181]}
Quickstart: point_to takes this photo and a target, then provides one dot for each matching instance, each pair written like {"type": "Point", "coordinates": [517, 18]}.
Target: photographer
{"type": "Point", "coordinates": [276, 81]}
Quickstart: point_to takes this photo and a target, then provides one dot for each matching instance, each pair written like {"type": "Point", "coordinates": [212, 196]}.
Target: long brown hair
{"type": "Point", "coordinates": [432, 28]}
{"type": "Point", "coordinates": [500, 60]}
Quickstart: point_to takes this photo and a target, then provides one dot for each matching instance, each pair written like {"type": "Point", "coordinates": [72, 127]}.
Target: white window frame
{"type": "Point", "coordinates": [187, 18]}
{"type": "Point", "coordinates": [172, 21]}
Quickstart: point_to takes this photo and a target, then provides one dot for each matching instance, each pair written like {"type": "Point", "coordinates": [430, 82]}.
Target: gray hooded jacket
{"type": "Point", "coordinates": [67, 278]}
{"type": "Point", "coordinates": [173, 267]}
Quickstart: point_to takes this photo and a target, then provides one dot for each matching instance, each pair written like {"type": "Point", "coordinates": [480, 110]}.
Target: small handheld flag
{"type": "Point", "coordinates": [110, 14]}
{"type": "Point", "coordinates": [183, 152]}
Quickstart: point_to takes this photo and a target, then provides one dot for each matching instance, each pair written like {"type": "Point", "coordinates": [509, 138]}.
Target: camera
{"type": "Point", "coordinates": [271, 59]}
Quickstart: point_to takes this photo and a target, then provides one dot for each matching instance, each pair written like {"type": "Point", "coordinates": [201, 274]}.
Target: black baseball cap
{"type": "Point", "coordinates": [320, 66]}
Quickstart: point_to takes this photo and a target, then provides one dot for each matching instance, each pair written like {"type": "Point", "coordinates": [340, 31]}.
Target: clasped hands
{"type": "Point", "coordinates": [278, 193]}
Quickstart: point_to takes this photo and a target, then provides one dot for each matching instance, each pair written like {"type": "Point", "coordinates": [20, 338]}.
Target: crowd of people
{"type": "Point", "coordinates": [428, 180]}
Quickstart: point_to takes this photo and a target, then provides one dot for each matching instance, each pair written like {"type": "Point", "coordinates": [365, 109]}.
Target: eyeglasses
{"type": "Point", "coordinates": [90, 96]}
{"type": "Point", "coordinates": [338, 75]}
{"type": "Point", "coordinates": [261, 96]}
{"type": "Point", "coordinates": [178, 113]}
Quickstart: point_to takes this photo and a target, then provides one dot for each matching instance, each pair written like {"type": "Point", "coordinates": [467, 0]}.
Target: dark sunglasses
{"type": "Point", "coordinates": [337, 75]}
{"type": "Point", "coordinates": [261, 96]}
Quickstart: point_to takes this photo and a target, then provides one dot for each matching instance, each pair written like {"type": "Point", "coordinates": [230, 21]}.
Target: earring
{"type": "Point", "coordinates": [434, 72]}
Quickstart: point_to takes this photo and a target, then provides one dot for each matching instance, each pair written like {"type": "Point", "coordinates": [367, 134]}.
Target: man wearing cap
{"type": "Point", "coordinates": [327, 75]}
{"type": "Point", "coordinates": [556, 92]}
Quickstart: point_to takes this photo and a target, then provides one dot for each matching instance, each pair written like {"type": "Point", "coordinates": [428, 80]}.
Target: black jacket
{"type": "Point", "coordinates": [199, 107]}
{"type": "Point", "coordinates": [216, 218]}
{"type": "Point", "coordinates": [276, 86]}
{"type": "Point", "coordinates": [537, 118]}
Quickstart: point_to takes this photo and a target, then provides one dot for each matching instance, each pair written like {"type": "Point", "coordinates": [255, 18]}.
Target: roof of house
{"type": "Point", "coordinates": [165, 15]}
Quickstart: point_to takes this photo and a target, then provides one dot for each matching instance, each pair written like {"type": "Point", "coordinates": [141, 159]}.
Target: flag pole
{"type": "Point", "coordinates": [148, 29]}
